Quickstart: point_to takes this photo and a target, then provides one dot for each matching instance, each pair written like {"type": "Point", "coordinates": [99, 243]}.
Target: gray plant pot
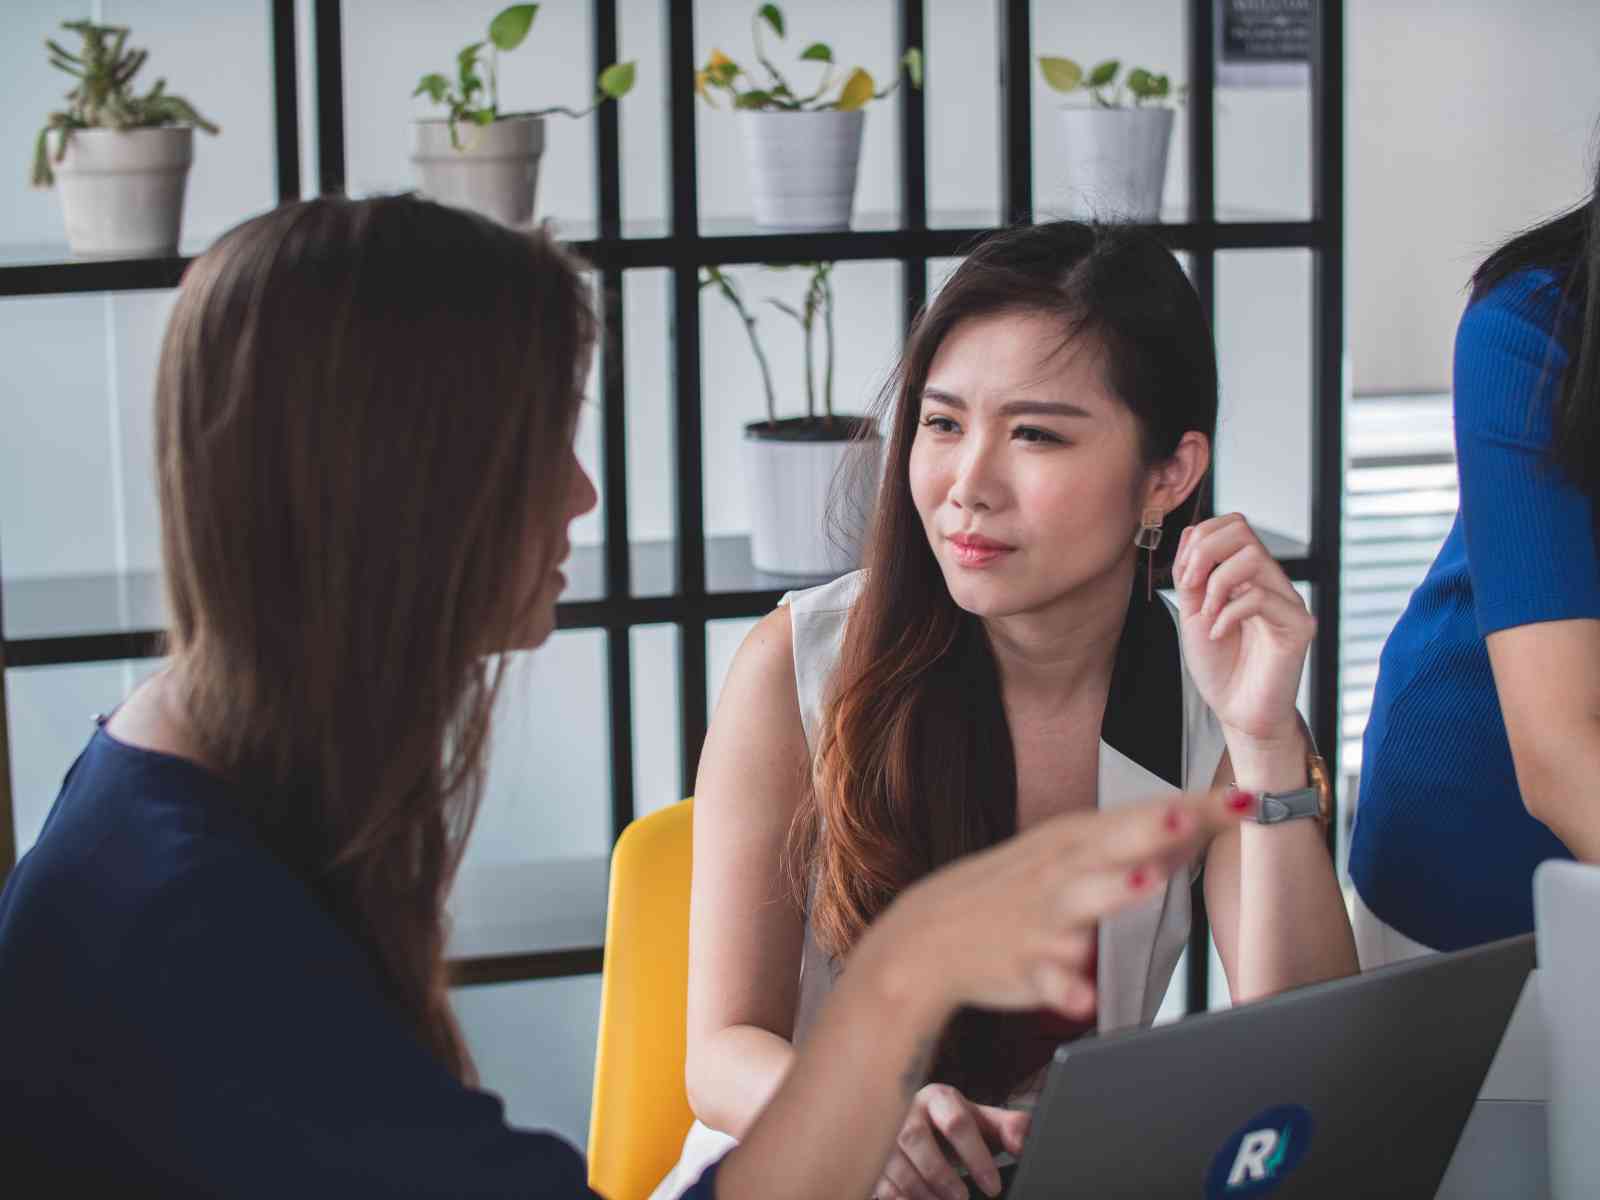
{"type": "Point", "coordinates": [496, 172]}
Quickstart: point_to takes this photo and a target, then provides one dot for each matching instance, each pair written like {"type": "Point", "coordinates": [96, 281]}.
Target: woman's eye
{"type": "Point", "coordinates": [939, 424]}
{"type": "Point", "coordinates": [1028, 433]}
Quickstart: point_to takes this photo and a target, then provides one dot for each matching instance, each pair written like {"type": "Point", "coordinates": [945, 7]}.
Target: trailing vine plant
{"type": "Point", "coordinates": [473, 101]}
{"type": "Point", "coordinates": [775, 93]}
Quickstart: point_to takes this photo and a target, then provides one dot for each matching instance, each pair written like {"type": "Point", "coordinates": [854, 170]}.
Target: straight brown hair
{"type": "Point", "coordinates": [363, 418]}
{"type": "Point", "coordinates": [914, 766]}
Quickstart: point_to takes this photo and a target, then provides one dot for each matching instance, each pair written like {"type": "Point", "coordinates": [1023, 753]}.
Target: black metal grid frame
{"type": "Point", "coordinates": [683, 250]}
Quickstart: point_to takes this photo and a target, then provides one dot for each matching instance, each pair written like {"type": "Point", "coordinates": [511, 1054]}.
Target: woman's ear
{"type": "Point", "coordinates": [1174, 479]}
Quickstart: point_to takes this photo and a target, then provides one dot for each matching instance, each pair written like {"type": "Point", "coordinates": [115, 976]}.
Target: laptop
{"type": "Point", "coordinates": [1566, 913]}
{"type": "Point", "coordinates": [1357, 1087]}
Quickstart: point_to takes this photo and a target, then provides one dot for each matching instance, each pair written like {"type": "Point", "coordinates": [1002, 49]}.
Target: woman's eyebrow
{"type": "Point", "coordinates": [1012, 408]}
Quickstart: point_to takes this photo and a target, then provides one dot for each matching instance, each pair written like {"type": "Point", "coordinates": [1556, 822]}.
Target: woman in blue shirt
{"type": "Point", "coordinates": [1482, 754]}
{"type": "Point", "coordinates": [222, 965]}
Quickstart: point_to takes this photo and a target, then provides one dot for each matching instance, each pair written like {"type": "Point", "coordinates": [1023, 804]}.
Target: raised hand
{"type": "Point", "coordinates": [1245, 629]}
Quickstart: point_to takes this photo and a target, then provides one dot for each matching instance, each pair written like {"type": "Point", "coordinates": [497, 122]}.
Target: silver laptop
{"type": "Point", "coordinates": [1359, 1087]}
{"type": "Point", "coordinates": [1566, 913]}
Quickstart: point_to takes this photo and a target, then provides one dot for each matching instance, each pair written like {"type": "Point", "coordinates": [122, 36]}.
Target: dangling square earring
{"type": "Point", "coordinates": [1149, 538]}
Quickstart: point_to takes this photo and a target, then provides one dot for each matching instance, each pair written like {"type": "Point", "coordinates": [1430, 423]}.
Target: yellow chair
{"type": "Point", "coordinates": [641, 1110]}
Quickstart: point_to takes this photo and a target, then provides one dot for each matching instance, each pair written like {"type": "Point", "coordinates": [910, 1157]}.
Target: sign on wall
{"type": "Point", "coordinates": [1264, 43]}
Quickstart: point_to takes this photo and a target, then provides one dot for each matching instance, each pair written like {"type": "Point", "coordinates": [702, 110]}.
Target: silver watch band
{"type": "Point", "coordinates": [1277, 807]}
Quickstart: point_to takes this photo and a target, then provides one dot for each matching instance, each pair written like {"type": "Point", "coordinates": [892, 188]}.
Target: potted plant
{"type": "Point", "coordinates": [802, 149]}
{"type": "Point", "coordinates": [794, 466]}
{"type": "Point", "coordinates": [122, 160]}
{"type": "Point", "coordinates": [1114, 147]}
{"type": "Point", "coordinates": [478, 157]}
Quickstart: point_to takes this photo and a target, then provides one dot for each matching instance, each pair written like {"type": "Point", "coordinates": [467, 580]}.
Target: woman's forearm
{"type": "Point", "coordinates": [831, 1125]}
{"type": "Point", "coordinates": [1293, 926]}
{"type": "Point", "coordinates": [733, 1076]}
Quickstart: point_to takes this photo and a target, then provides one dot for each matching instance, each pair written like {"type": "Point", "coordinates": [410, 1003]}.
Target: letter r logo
{"type": "Point", "coordinates": [1250, 1164]}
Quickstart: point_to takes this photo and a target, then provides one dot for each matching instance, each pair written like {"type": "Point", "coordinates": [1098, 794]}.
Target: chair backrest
{"type": "Point", "coordinates": [641, 1112]}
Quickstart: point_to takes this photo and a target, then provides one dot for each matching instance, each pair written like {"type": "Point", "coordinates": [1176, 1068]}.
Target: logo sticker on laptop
{"type": "Point", "coordinates": [1257, 1158]}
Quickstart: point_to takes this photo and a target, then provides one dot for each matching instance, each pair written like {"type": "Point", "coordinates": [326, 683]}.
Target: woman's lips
{"type": "Point", "coordinates": [978, 552]}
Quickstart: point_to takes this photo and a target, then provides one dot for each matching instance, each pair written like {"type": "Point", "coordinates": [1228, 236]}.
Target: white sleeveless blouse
{"type": "Point", "coordinates": [1158, 737]}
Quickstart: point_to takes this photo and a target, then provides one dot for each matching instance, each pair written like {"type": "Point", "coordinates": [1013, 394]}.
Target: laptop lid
{"type": "Point", "coordinates": [1566, 913]}
{"type": "Point", "coordinates": [1357, 1087]}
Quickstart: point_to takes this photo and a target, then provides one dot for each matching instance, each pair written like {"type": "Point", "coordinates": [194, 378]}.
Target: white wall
{"type": "Point", "coordinates": [1468, 120]}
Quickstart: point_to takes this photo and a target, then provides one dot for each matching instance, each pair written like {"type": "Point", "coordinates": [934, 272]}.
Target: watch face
{"type": "Point", "coordinates": [1318, 770]}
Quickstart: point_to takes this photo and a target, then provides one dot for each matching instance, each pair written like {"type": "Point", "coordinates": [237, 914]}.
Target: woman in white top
{"type": "Point", "coordinates": [997, 662]}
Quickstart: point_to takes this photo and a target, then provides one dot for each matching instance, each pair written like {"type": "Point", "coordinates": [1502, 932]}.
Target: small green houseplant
{"type": "Point", "coordinates": [121, 159]}
{"type": "Point", "coordinates": [492, 165]}
{"type": "Point", "coordinates": [803, 145]}
{"type": "Point", "coordinates": [1114, 148]}
{"type": "Point", "coordinates": [795, 466]}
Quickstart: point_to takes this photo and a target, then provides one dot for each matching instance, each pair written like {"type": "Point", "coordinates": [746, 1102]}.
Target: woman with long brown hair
{"type": "Point", "coordinates": [1000, 660]}
{"type": "Point", "coordinates": [222, 964]}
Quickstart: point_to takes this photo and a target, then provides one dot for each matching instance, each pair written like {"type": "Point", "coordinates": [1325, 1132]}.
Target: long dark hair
{"type": "Point", "coordinates": [1569, 247]}
{"type": "Point", "coordinates": [914, 765]}
{"type": "Point", "coordinates": [363, 419]}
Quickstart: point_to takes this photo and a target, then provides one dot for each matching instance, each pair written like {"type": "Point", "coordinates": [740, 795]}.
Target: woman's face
{"type": "Point", "coordinates": [1026, 470]}
{"type": "Point", "coordinates": [579, 498]}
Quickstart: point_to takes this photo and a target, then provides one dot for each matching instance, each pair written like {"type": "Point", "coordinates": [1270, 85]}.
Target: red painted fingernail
{"type": "Point", "coordinates": [1174, 819]}
{"type": "Point", "coordinates": [1138, 877]}
{"type": "Point", "coordinates": [1240, 800]}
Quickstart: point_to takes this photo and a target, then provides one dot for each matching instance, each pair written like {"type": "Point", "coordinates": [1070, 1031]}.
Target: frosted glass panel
{"type": "Point", "coordinates": [50, 715]}
{"type": "Point", "coordinates": [389, 45]}
{"type": "Point", "coordinates": [657, 736]}
{"type": "Point", "coordinates": [642, 117]}
{"type": "Point", "coordinates": [962, 104]}
{"type": "Point", "coordinates": [138, 321]}
{"type": "Point", "coordinates": [1263, 324]}
{"type": "Point", "coordinates": [723, 639]}
{"type": "Point", "coordinates": [534, 1047]}
{"type": "Point", "coordinates": [860, 34]}
{"type": "Point", "coordinates": [1147, 33]}
{"type": "Point", "coordinates": [548, 793]}
{"type": "Point", "coordinates": [1263, 141]}
{"type": "Point", "coordinates": [646, 299]}
{"type": "Point", "coordinates": [58, 461]}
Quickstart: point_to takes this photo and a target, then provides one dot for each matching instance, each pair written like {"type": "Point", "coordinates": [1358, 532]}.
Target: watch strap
{"type": "Point", "coordinates": [1277, 807]}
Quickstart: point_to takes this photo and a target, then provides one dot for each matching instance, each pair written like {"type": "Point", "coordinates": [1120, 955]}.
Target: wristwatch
{"type": "Point", "coordinates": [1314, 800]}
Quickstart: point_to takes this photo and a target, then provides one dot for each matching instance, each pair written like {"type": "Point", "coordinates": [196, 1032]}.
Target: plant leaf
{"type": "Point", "coordinates": [1140, 82]}
{"type": "Point", "coordinates": [772, 15]}
{"type": "Point", "coordinates": [1062, 74]}
{"type": "Point", "coordinates": [469, 54]}
{"type": "Point", "coordinates": [912, 61]}
{"type": "Point", "coordinates": [857, 91]}
{"type": "Point", "coordinates": [481, 116]}
{"type": "Point", "coordinates": [616, 80]}
{"type": "Point", "coordinates": [817, 52]}
{"type": "Point", "coordinates": [1104, 73]}
{"type": "Point", "coordinates": [753, 99]}
{"type": "Point", "coordinates": [434, 87]}
{"type": "Point", "coordinates": [511, 25]}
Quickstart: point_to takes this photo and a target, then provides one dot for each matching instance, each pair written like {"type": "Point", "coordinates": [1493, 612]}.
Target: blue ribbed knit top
{"type": "Point", "coordinates": [1443, 849]}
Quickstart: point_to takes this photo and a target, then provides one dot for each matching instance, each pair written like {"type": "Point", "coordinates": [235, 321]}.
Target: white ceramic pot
{"type": "Point", "coordinates": [1113, 162]}
{"type": "Point", "coordinates": [496, 172]}
{"type": "Point", "coordinates": [803, 166]}
{"type": "Point", "coordinates": [789, 485]}
{"type": "Point", "coordinates": [122, 190]}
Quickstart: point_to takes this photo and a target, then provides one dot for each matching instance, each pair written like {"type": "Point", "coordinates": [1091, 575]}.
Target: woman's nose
{"type": "Point", "coordinates": [975, 487]}
{"type": "Point", "coordinates": [581, 496]}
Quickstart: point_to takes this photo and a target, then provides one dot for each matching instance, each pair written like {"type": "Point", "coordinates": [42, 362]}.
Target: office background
{"type": "Point", "coordinates": [1463, 122]}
